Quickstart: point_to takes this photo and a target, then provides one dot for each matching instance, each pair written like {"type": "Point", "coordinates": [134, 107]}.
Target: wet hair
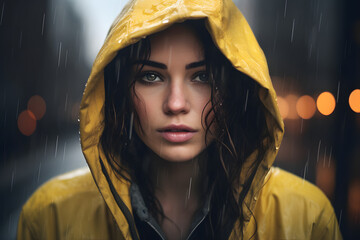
{"type": "Point", "coordinates": [240, 129]}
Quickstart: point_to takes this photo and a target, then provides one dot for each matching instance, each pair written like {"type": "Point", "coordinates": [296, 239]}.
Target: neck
{"type": "Point", "coordinates": [182, 181]}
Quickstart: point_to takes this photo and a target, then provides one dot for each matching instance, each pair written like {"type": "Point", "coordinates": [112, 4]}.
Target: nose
{"type": "Point", "coordinates": [176, 101]}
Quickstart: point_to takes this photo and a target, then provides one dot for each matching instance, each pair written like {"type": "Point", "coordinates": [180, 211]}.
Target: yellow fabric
{"type": "Point", "coordinates": [72, 208]}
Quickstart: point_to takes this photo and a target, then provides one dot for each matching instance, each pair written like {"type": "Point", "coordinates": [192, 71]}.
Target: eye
{"type": "Point", "coordinates": [150, 77]}
{"type": "Point", "coordinates": [201, 77]}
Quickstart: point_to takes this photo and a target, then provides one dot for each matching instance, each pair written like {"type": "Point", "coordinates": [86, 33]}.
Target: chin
{"type": "Point", "coordinates": [178, 155]}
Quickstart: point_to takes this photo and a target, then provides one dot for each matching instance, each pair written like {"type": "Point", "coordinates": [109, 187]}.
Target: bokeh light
{"type": "Point", "coordinates": [325, 103]}
{"type": "Point", "coordinates": [283, 107]}
{"type": "Point", "coordinates": [26, 122]}
{"type": "Point", "coordinates": [305, 107]}
{"type": "Point", "coordinates": [354, 100]}
{"type": "Point", "coordinates": [291, 99]}
{"type": "Point", "coordinates": [37, 106]}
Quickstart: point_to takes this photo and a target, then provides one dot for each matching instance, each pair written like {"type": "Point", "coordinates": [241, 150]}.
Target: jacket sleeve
{"type": "Point", "coordinates": [23, 230]}
{"type": "Point", "coordinates": [332, 230]}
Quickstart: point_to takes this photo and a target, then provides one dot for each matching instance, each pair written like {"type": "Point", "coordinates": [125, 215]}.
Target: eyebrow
{"type": "Point", "coordinates": [163, 66]}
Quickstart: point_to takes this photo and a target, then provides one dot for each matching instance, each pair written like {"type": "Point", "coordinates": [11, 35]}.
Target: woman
{"type": "Point", "coordinates": [179, 126]}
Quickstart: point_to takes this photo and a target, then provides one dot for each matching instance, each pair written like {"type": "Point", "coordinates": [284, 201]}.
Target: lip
{"type": "Point", "coordinates": [177, 133]}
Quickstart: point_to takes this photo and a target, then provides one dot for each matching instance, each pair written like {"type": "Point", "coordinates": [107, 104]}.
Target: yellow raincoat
{"type": "Point", "coordinates": [95, 204]}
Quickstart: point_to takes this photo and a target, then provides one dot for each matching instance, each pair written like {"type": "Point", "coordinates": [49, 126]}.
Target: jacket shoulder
{"type": "Point", "coordinates": [67, 206]}
{"type": "Point", "coordinates": [284, 184]}
{"type": "Point", "coordinates": [62, 188]}
{"type": "Point", "coordinates": [296, 208]}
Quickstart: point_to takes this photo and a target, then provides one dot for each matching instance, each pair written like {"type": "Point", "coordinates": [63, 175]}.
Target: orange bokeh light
{"type": "Point", "coordinates": [354, 100]}
{"type": "Point", "coordinates": [305, 107]}
{"type": "Point", "coordinates": [283, 107]}
{"type": "Point", "coordinates": [325, 103]}
{"type": "Point", "coordinates": [291, 100]}
{"type": "Point", "coordinates": [26, 122]}
{"type": "Point", "coordinates": [37, 106]}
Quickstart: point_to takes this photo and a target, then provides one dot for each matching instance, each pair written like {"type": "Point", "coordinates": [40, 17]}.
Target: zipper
{"type": "Point", "coordinates": [153, 227]}
{"type": "Point", "coordinates": [192, 231]}
{"type": "Point", "coordinates": [121, 204]}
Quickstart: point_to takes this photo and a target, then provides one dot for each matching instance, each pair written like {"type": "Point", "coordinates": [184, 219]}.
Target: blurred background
{"type": "Point", "coordinates": [313, 49]}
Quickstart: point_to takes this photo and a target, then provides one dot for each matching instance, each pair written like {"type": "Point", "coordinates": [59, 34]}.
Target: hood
{"type": "Point", "coordinates": [231, 34]}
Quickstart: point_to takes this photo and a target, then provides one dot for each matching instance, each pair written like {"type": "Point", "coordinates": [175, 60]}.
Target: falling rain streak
{"type": "Point", "coordinates": [56, 146]}
{"type": "Point", "coordinates": [246, 99]}
{"type": "Point", "coordinates": [318, 152]}
{"type": "Point", "coordinates": [292, 30]}
{"type": "Point", "coordinates": [2, 13]}
{"type": "Point", "coordinates": [64, 151]}
{"type": "Point", "coordinates": [45, 148]}
{"type": "Point", "coordinates": [59, 54]}
{"type": "Point", "coordinates": [306, 168]}
{"type": "Point", "coordinates": [39, 170]}
{"type": "Point", "coordinates": [42, 26]}
{"type": "Point", "coordinates": [285, 9]}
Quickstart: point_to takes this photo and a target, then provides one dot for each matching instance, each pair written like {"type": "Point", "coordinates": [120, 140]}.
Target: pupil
{"type": "Point", "coordinates": [151, 76]}
{"type": "Point", "coordinates": [203, 77]}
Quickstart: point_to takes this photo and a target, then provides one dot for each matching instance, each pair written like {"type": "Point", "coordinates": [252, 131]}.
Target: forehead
{"type": "Point", "coordinates": [179, 39]}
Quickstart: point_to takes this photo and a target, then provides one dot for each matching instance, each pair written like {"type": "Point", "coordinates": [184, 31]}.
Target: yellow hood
{"type": "Point", "coordinates": [231, 34]}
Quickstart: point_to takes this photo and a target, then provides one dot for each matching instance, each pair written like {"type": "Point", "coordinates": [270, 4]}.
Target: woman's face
{"type": "Point", "coordinates": [172, 95]}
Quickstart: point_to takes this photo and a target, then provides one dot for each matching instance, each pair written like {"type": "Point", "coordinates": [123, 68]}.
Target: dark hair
{"type": "Point", "coordinates": [239, 122]}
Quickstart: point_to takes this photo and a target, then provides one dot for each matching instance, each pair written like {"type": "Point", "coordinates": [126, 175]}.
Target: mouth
{"type": "Point", "coordinates": [177, 133]}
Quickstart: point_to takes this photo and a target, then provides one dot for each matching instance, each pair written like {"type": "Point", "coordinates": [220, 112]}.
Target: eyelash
{"type": "Point", "coordinates": [157, 75]}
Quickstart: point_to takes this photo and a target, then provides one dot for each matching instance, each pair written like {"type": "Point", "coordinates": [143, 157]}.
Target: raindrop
{"type": "Point", "coordinates": [306, 168]}
{"type": "Point", "coordinates": [66, 101]}
{"type": "Point", "coordinates": [320, 22]}
{"type": "Point", "coordinates": [188, 197]}
{"type": "Point", "coordinates": [318, 152]}
{"type": "Point", "coordinates": [66, 58]}
{"type": "Point", "coordinates": [54, 15]}
{"type": "Point", "coordinates": [46, 140]}
{"type": "Point", "coordinates": [131, 125]}
{"type": "Point", "coordinates": [42, 26]}
{"type": "Point", "coordinates": [170, 55]}
{"type": "Point", "coordinates": [118, 64]}
{"type": "Point", "coordinates": [292, 30]}
{"type": "Point", "coordinates": [340, 217]}
{"type": "Point", "coordinates": [324, 158]}
{"type": "Point", "coordinates": [246, 99]}
{"type": "Point", "coordinates": [132, 51]}
{"type": "Point", "coordinates": [138, 50]}
{"type": "Point", "coordinates": [39, 170]}
{"type": "Point", "coordinates": [56, 145]}
{"type": "Point", "coordinates": [2, 13]}
{"type": "Point", "coordinates": [64, 151]}
{"type": "Point", "coordinates": [330, 157]}
{"type": "Point", "coordinates": [338, 90]}
{"type": "Point", "coordinates": [59, 54]}
{"type": "Point", "coordinates": [12, 180]}
{"type": "Point", "coordinates": [285, 8]}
